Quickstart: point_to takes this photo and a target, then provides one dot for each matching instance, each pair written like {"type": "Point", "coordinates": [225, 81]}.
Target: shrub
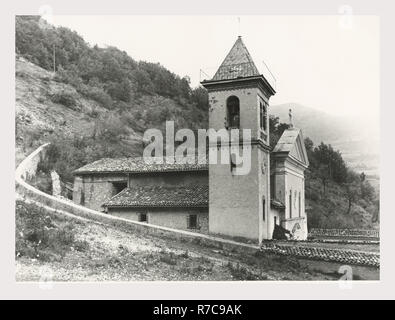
{"type": "Point", "coordinates": [41, 99]}
{"type": "Point", "coordinates": [42, 182]}
{"type": "Point", "coordinates": [313, 194]}
{"type": "Point", "coordinates": [168, 258]}
{"type": "Point", "coordinates": [106, 262]}
{"type": "Point", "coordinates": [47, 163]}
{"type": "Point", "coordinates": [66, 98]}
{"type": "Point", "coordinates": [240, 273]}
{"type": "Point", "coordinates": [98, 95]}
{"type": "Point", "coordinates": [37, 236]}
{"type": "Point", "coordinates": [81, 245]}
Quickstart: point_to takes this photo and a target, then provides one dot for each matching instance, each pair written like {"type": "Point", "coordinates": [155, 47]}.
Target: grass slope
{"type": "Point", "coordinates": [65, 249]}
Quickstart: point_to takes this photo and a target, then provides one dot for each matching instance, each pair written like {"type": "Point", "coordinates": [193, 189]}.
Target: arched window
{"type": "Point", "coordinates": [233, 112]}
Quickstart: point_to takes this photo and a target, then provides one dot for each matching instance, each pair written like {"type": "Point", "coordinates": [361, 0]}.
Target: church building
{"type": "Point", "coordinates": [209, 197]}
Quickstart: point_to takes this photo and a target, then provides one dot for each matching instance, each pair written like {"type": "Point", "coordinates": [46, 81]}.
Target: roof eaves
{"type": "Point", "coordinates": [93, 171]}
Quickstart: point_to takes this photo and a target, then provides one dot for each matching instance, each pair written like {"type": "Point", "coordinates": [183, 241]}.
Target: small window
{"type": "Point", "coordinates": [192, 222]}
{"type": "Point", "coordinates": [290, 204]}
{"type": "Point", "coordinates": [275, 220]}
{"type": "Point", "coordinates": [143, 217]}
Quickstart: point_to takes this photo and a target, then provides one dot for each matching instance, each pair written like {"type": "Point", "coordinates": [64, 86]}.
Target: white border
{"type": "Point", "coordinates": [195, 290]}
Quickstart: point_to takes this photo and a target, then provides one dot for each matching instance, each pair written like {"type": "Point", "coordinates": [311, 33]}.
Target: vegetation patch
{"type": "Point", "coordinates": [66, 98]}
{"type": "Point", "coordinates": [39, 237]}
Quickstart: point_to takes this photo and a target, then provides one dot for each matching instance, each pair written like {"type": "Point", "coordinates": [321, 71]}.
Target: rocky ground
{"type": "Point", "coordinates": [38, 117]}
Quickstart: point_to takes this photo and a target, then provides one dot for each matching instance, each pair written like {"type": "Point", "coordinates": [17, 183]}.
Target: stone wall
{"type": "Point", "coordinates": [346, 233]}
{"type": "Point", "coordinates": [28, 167]}
{"type": "Point", "coordinates": [94, 190]}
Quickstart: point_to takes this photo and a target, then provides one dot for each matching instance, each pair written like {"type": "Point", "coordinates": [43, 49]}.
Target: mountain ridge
{"type": "Point", "coordinates": [359, 147]}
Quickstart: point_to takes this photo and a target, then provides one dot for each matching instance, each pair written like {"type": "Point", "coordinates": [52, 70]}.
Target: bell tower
{"type": "Point", "coordinates": [239, 95]}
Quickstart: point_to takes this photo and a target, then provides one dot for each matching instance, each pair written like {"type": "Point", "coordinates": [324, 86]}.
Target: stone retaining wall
{"type": "Point", "coordinates": [334, 255]}
{"type": "Point", "coordinates": [316, 232]}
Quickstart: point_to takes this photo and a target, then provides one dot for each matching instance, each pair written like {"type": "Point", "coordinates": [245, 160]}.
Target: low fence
{"type": "Point", "coordinates": [333, 255]}
{"type": "Point", "coordinates": [344, 233]}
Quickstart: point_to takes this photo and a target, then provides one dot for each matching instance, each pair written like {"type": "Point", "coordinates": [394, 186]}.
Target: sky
{"type": "Point", "coordinates": [330, 63]}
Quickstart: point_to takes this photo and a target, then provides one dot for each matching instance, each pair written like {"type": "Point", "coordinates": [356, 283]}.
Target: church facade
{"type": "Point", "coordinates": [210, 197]}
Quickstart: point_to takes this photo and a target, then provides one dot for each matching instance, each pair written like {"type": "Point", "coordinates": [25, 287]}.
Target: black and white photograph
{"type": "Point", "coordinates": [227, 150]}
{"type": "Point", "coordinates": [232, 151]}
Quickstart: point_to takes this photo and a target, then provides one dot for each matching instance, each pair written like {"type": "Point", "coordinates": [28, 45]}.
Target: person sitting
{"type": "Point", "coordinates": [280, 233]}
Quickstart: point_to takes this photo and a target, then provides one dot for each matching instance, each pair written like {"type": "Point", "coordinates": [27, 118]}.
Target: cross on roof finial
{"type": "Point", "coordinates": [238, 19]}
{"type": "Point", "coordinates": [291, 125]}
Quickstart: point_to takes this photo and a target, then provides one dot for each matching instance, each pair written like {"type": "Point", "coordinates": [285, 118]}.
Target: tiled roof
{"type": "Point", "coordinates": [140, 165]}
{"type": "Point", "coordinates": [238, 63]}
{"type": "Point", "coordinates": [161, 196]}
{"type": "Point", "coordinates": [319, 253]}
{"type": "Point", "coordinates": [291, 143]}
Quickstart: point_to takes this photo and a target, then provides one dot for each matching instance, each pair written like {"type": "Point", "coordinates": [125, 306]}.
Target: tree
{"type": "Point", "coordinates": [352, 194]}
{"type": "Point", "coordinates": [376, 212]}
{"type": "Point", "coordinates": [367, 191]}
{"type": "Point", "coordinates": [142, 81]}
{"type": "Point", "coordinates": [325, 155]}
{"type": "Point", "coordinates": [352, 188]}
{"type": "Point", "coordinates": [309, 145]}
{"type": "Point", "coordinates": [323, 175]}
{"type": "Point", "coordinates": [276, 129]}
{"type": "Point", "coordinates": [200, 97]}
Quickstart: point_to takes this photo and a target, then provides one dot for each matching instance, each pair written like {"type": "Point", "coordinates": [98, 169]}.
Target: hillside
{"type": "Point", "coordinates": [99, 101]}
{"type": "Point", "coordinates": [39, 118]}
{"type": "Point", "coordinates": [97, 95]}
{"type": "Point", "coordinates": [62, 248]}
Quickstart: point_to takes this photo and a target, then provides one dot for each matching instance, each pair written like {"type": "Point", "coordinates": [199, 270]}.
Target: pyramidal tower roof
{"type": "Point", "coordinates": [237, 64]}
